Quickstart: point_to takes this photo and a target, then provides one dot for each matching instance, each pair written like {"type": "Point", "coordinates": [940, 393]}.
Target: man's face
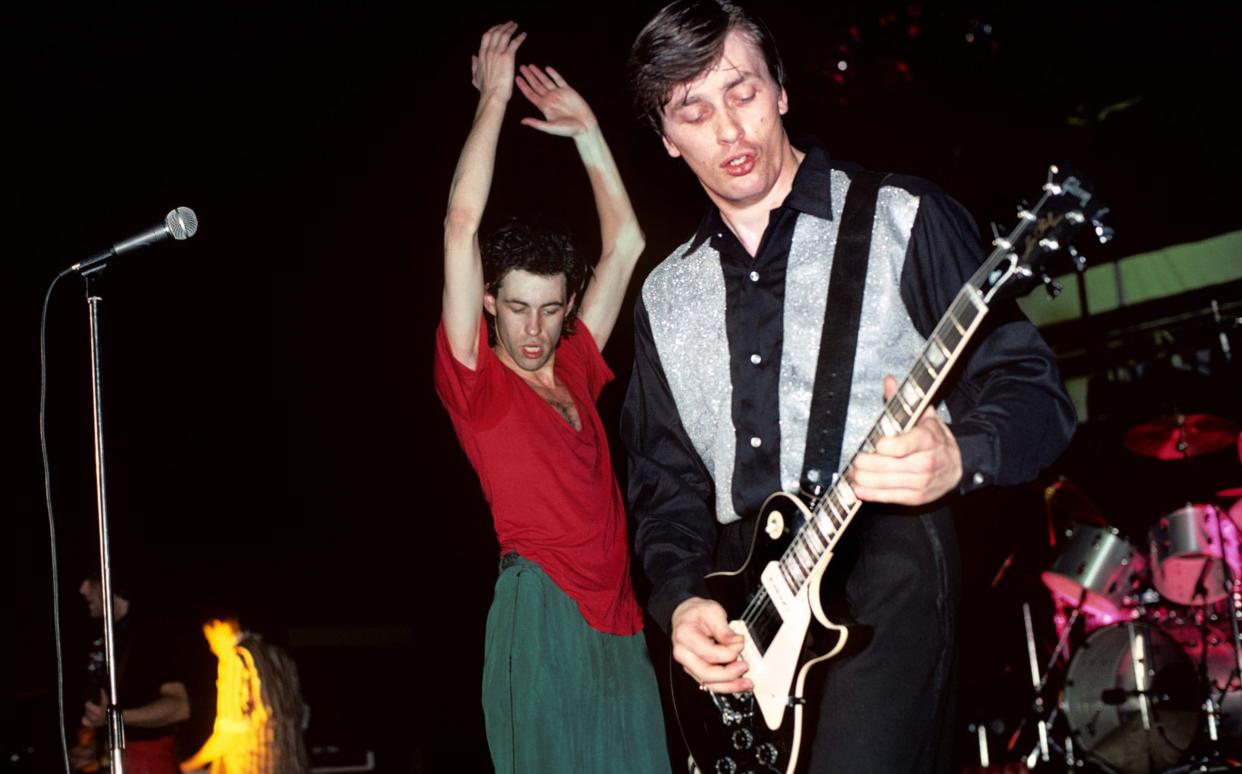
{"type": "Point", "coordinates": [92, 592]}
{"type": "Point", "coordinates": [530, 311]}
{"type": "Point", "coordinates": [726, 124]}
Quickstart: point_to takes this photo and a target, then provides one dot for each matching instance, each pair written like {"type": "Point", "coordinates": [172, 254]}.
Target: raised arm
{"type": "Point", "coordinates": [567, 114]}
{"type": "Point", "coordinates": [492, 72]}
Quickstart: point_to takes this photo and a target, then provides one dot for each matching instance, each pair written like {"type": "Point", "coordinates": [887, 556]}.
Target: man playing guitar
{"type": "Point", "coordinates": [717, 414]}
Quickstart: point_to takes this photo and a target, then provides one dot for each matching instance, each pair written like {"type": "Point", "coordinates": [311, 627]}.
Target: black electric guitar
{"type": "Point", "coordinates": [96, 683]}
{"type": "Point", "coordinates": [772, 598]}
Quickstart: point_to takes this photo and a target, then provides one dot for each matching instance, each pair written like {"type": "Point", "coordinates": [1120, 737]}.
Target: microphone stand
{"type": "Point", "coordinates": [114, 720]}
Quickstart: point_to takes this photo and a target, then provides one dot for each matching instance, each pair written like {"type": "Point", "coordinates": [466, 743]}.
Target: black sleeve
{"type": "Point", "coordinates": [1010, 413]}
{"type": "Point", "coordinates": [669, 489]}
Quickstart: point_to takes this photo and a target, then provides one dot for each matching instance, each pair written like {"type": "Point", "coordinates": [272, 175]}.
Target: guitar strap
{"type": "Point", "coordinates": [834, 372]}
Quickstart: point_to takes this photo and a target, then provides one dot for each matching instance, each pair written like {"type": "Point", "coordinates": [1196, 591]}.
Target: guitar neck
{"type": "Point", "coordinates": [1008, 264]}
{"type": "Point", "coordinates": [834, 510]}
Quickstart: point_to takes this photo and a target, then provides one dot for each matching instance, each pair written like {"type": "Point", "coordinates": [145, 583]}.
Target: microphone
{"type": "Point", "coordinates": [179, 224]}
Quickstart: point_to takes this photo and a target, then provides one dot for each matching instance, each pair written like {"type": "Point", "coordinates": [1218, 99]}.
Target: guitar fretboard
{"type": "Point", "coordinates": [833, 511]}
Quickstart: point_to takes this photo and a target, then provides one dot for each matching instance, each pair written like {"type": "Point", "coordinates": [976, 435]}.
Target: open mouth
{"type": "Point", "coordinates": [739, 165]}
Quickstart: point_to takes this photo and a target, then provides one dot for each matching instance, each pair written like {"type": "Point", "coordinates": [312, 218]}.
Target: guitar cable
{"type": "Point", "coordinates": [51, 521]}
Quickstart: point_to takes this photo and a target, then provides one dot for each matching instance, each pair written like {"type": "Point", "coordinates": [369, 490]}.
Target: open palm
{"type": "Point", "coordinates": [565, 112]}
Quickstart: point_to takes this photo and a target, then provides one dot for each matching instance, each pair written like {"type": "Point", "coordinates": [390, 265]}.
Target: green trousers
{"type": "Point", "coordinates": [559, 696]}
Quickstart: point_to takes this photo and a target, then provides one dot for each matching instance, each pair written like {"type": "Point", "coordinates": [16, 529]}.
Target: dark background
{"type": "Point", "coordinates": [274, 444]}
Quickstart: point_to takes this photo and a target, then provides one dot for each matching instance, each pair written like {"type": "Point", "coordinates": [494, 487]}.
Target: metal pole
{"type": "Point", "coordinates": [116, 724]}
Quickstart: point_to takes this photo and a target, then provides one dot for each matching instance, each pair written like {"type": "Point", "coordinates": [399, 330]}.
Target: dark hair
{"type": "Point", "coordinates": [684, 40]}
{"type": "Point", "coordinates": [540, 246]}
{"type": "Point", "coordinates": [281, 690]}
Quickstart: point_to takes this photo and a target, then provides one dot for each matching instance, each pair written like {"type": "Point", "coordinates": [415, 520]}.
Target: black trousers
{"type": "Point", "coordinates": [885, 700]}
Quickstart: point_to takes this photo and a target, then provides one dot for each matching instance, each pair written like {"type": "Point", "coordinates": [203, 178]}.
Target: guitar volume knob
{"type": "Point", "coordinates": [726, 766]}
{"type": "Point", "coordinates": [743, 739]}
{"type": "Point", "coordinates": [767, 753]}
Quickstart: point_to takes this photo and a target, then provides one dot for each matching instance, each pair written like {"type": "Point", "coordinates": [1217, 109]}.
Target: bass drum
{"type": "Point", "coordinates": [1132, 698]}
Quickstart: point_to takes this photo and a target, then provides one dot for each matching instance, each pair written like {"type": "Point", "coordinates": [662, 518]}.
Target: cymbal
{"type": "Point", "coordinates": [1181, 436]}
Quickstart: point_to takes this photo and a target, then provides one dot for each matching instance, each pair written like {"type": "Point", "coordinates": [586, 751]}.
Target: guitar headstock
{"type": "Point", "coordinates": [1043, 232]}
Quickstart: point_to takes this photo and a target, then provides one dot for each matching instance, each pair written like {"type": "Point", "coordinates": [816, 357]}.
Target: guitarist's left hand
{"type": "Point", "coordinates": [917, 467]}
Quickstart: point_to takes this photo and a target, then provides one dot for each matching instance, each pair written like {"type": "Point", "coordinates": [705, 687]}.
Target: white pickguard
{"type": "Point", "coordinates": [773, 672]}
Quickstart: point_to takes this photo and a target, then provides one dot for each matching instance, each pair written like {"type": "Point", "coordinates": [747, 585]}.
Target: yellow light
{"type": "Point", "coordinates": [241, 738]}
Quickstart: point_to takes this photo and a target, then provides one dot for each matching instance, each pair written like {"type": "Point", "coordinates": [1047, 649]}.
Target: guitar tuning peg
{"type": "Point", "coordinates": [1080, 260]}
{"type": "Point", "coordinates": [1051, 286]}
{"type": "Point", "coordinates": [998, 239]}
{"type": "Point", "coordinates": [1102, 232]}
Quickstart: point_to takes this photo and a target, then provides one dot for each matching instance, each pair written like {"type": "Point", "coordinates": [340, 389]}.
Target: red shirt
{"type": "Point", "coordinates": [551, 488]}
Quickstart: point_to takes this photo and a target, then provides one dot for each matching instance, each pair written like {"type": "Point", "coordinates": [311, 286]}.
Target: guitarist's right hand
{"type": "Point", "coordinates": [94, 715]}
{"type": "Point", "coordinates": [707, 648]}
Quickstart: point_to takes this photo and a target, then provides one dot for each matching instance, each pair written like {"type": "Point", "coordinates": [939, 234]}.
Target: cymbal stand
{"type": "Point", "coordinates": [1042, 751]}
{"type": "Point", "coordinates": [1038, 682]}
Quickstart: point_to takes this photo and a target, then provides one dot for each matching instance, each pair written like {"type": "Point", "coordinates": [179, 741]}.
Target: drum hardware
{"type": "Point", "coordinates": [1233, 589]}
{"type": "Point", "coordinates": [1234, 510]}
{"type": "Point", "coordinates": [1045, 713]}
{"type": "Point", "coordinates": [1038, 681]}
{"type": "Point", "coordinates": [1133, 698]}
{"type": "Point", "coordinates": [1099, 567]}
{"type": "Point", "coordinates": [1210, 712]}
{"type": "Point", "coordinates": [1065, 499]}
{"type": "Point", "coordinates": [1189, 551]}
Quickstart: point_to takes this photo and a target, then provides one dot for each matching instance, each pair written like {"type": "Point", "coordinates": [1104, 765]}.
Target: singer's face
{"type": "Point", "coordinates": [530, 312]}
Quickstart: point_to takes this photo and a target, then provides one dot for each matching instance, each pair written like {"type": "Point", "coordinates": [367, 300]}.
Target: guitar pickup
{"type": "Point", "coordinates": [778, 588]}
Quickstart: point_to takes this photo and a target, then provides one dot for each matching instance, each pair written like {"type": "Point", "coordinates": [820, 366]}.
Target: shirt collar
{"type": "Point", "coordinates": [811, 193]}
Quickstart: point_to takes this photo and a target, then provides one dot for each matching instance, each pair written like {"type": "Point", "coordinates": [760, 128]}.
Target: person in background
{"type": "Point", "coordinates": [567, 683]}
{"type": "Point", "coordinates": [150, 683]}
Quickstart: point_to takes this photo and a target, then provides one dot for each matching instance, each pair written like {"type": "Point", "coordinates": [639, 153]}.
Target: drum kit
{"type": "Point", "coordinates": [1146, 670]}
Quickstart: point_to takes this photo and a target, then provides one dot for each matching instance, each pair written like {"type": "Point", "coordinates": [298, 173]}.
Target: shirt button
{"type": "Point", "coordinates": [756, 441]}
{"type": "Point", "coordinates": [977, 479]}
{"type": "Point", "coordinates": [756, 359]}
{"type": "Point", "coordinates": [754, 276]}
